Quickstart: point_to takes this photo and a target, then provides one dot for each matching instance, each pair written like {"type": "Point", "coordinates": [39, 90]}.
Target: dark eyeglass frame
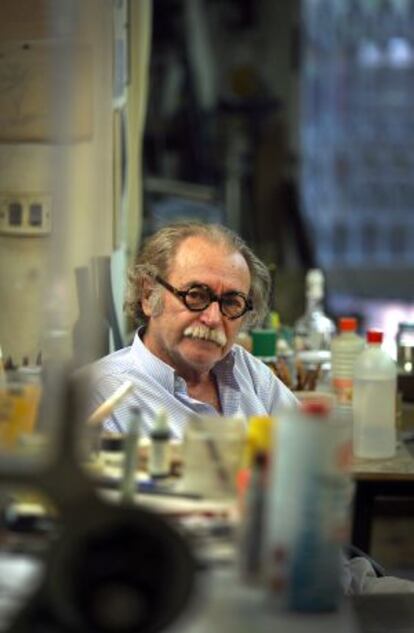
{"type": "Point", "coordinates": [182, 296]}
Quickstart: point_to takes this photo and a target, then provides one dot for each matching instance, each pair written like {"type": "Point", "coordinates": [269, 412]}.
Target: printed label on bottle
{"type": "Point", "coordinates": [343, 390]}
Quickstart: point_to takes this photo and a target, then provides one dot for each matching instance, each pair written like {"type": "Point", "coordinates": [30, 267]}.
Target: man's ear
{"type": "Point", "coordinates": [146, 304]}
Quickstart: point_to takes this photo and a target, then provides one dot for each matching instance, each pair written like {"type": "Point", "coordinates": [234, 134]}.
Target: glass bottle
{"type": "Point", "coordinates": [314, 330]}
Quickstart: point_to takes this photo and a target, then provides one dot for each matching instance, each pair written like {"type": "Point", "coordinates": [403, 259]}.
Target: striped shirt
{"type": "Point", "coordinates": [246, 387]}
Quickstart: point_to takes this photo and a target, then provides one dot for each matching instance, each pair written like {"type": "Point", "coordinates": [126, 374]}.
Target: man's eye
{"type": "Point", "coordinates": [233, 301]}
{"type": "Point", "coordinates": [197, 294]}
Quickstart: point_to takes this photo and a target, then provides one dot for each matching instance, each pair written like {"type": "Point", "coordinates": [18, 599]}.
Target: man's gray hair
{"type": "Point", "coordinates": [157, 256]}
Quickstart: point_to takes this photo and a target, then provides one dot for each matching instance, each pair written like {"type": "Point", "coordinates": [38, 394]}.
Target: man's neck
{"type": "Point", "coordinates": [206, 390]}
{"type": "Point", "coordinates": [196, 379]}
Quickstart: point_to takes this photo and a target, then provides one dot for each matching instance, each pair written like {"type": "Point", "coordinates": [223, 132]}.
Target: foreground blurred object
{"type": "Point", "coordinates": [121, 569]}
{"type": "Point", "coordinates": [212, 453]}
{"type": "Point", "coordinates": [106, 408]}
{"type": "Point", "coordinates": [20, 395]}
{"type": "Point", "coordinates": [307, 510]}
{"type": "Point", "coordinates": [117, 568]}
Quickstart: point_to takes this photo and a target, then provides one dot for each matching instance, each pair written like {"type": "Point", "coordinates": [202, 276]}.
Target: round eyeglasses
{"type": "Point", "coordinates": [198, 297]}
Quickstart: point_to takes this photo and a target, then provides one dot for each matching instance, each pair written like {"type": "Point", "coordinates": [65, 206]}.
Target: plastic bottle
{"type": "Point", "coordinates": [112, 452]}
{"type": "Point", "coordinates": [374, 404]}
{"type": "Point", "coordinates": [314, 330]}
{"type": "Point", "coordinates": [159, 464]}
{"type": "Point", "coordinates": [306, 511]}
{"type": "Point", "coordinates": [345, 349]}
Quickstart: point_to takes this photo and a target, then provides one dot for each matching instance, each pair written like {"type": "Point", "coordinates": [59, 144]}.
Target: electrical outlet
{"type": "Point", "coordinates": [27, 214]}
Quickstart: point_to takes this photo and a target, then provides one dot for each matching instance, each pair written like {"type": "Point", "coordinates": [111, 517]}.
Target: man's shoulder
{"type": "Point", "coordinates": [115, 358]}
{"type": "Point", "coordinates": [264, 380]}
{"type": "Point", "coordinates": [251, 367]}
{"type": "Point", "coordinates": [243, 357]}
{"type": "Point", "coordinates": [111, 364]}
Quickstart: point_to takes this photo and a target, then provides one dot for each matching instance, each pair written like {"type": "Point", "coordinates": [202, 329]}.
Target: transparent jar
{"type": "Point", "coordinates": [212, 454]}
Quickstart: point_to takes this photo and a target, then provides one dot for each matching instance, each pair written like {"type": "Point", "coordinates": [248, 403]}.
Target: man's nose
{"type": "Point", "coordinates": [212, 315]}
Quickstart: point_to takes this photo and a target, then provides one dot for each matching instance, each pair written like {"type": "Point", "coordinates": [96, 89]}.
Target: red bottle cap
{"type": "Point", "coordinates": [315, 407]}
{"type": "Point", "coordinates": [374, 336]}
{"type": "Point", "coordinates": [347, 324]}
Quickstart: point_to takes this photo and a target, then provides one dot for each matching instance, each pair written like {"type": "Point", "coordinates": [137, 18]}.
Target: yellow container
{"type": "Point", "coordinates": [19, 404]}
{"type": "Point", "coordinates": [259, 437]}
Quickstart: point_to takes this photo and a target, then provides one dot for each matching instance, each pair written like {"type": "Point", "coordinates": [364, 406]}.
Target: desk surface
{"type": "Point", "coordinates": [400, 467]}
{"type": "Point", "coordinates": [227, 607]}
{"type": "Point", "coordinates": [223, 605]}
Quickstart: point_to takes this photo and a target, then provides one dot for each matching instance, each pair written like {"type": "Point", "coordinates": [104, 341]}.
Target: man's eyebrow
{"type": "Point", "coordinates": [189, 284]}
{"type": "Point", "coordinates": [194, 282]}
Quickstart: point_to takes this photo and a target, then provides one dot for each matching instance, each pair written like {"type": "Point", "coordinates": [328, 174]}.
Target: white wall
{"type": "Point", "coordinates": [77, 171]}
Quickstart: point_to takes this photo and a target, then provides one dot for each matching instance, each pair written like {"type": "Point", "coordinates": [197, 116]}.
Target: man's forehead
{"type": "Point", "coordinates": [198, 256]}
{"type": "Point", "coordinates": [195, 244]}
{"type": "Point", "coordinates": [200, 250]}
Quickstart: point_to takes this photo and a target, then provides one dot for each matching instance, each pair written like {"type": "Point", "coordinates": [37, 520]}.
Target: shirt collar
{"type": "Point", "coordinates": [151, 364]}
{"type": "Point", "coordinates": [224, 370]}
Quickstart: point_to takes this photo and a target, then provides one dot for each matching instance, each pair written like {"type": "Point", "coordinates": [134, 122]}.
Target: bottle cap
{"type": "Point", "coordinates": [259, 436]}
{"type": "Point", "coordinates": [115, 442]}
{"type": "Point", "coordinates": [375, 336]}
{"type": "Point", "coordinates": [347, 324]}
{"type": "Point", "coordinates": [161, 429]}
{"type": "Point", "coordinates": [315, 407]}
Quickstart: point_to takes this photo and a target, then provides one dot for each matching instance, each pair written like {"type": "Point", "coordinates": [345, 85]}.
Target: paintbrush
{"type": "Point", "coordinates": [105, 409]}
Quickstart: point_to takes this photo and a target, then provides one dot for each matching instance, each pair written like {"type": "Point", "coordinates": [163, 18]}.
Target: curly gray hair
{"type": "Point", "coordinates": [157, 256]}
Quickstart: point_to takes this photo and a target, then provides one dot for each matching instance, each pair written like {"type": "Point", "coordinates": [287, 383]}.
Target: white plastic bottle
{"type": "Point", "coordinates": [375, 388]}
{"type": "Point", "coordinates": [345, 349]}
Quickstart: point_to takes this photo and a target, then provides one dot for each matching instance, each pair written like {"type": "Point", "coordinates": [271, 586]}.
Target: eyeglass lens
{"type": "Point", "coordinates": [231, 304]}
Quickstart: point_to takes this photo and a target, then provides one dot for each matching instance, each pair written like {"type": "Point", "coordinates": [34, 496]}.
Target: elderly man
{"type": "Point", "coordinates": [194, 287]}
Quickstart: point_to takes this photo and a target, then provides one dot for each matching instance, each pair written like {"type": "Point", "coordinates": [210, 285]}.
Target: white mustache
{"type": "Point", "coordinates": [203, 332]}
